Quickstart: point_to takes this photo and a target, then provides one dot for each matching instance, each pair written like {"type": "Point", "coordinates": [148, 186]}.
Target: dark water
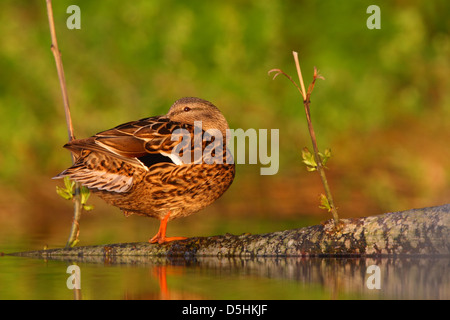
{"type": "Point", "coordinates": [227, 278]}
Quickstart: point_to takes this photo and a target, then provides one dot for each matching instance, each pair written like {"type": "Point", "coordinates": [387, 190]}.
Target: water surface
{"type": "Point", "coordinates": [226, 278]}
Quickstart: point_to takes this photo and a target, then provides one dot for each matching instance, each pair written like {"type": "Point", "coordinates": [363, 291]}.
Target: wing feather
{"type": "Point", "coordinates": [111, 159]}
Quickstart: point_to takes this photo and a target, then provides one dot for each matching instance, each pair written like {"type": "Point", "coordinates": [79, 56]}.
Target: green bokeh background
{"type": "Point", "coordinates": [383, 109]}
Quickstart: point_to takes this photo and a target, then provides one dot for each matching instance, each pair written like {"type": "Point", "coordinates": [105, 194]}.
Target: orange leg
{"type": "Point", "coordinates": [160, 236]}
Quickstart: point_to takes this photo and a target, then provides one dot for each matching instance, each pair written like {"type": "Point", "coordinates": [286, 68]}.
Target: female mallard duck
{"type": "Point", "coordinates": [140, 168]}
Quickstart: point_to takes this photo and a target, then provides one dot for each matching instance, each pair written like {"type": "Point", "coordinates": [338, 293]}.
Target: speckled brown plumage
{"type": "Point", "coordinates": [132, 166]}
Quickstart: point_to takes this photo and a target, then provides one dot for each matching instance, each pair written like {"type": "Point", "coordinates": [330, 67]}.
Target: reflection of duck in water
{"type": "Point", "coordinates": [161, 273]}
{"type": "Point", "coordinates": [132, 166]}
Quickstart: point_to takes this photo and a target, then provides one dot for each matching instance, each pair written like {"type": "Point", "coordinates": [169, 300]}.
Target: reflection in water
{"type": "Point", "coordinates": [398, 278]}
{"type": "Point", "coordinates": [160, 273]}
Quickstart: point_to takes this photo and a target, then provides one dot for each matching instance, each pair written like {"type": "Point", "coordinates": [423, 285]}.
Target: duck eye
{"type": "Point", "coordinates": [186, 109]}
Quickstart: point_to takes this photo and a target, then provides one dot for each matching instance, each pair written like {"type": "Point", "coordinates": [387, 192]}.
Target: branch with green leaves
{"type": "Point", "coordinates": [68, 192]}
{"type": "Point", "coordinates": [314, 161]}
{"type": "Point", "coordinates": [78, 193]}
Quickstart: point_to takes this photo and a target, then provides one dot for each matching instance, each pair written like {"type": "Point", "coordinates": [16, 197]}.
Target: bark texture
{"type": "Point", "coordinates": [423, 231]}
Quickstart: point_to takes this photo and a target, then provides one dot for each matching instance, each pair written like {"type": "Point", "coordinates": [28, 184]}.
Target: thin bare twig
{"type": "Point", "coordinates": [299, 72]}
{"type": "Point", "coordinates": [279, 71]}
{"type": "Point", "coordinates": [60, 69]}
{"type": "Point", "coordinates": [73, 236]}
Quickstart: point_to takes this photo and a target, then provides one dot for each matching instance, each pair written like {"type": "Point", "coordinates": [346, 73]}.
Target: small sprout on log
{"type": "Point", "coordinates": [74, 231]}
{"type": "Point", "coordinates": [314, 161]}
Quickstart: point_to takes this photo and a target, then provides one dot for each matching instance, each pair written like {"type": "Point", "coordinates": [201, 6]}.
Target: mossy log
{"type": "Point", "coordinates": [413, 232]}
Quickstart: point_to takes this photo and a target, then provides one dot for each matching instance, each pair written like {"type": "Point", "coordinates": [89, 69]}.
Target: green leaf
{"type": "Point", "coordinates": [308, 159]}
{"type": "Point", "coordinates": [69, 184]}
{"type": "Point", "coordinates": [85, 194]}
{"type": "Point", "coordinates": [74, 243]}
{"type": "Point", "coordinates": [88, 207]}
{"type": "Point", "coordinates": [324, 204]}
{"type": "Point", "coordinates": [62, 192]}
{"type": "Point", "coordinates": [324, 157]}
{"type": "Point", "coordinates": [67, 191]}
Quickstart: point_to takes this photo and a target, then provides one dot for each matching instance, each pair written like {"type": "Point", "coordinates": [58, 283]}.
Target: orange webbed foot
{"type": "Point", "coordinates": [160, 236]}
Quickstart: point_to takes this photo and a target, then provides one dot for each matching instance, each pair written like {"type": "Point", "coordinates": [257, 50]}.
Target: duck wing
{"type": "Point", "coordinates": [111, 160]}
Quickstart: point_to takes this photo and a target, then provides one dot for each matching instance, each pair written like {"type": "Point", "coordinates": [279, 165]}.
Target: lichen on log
{"type": "Point", "coordinates": [422, 231]}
